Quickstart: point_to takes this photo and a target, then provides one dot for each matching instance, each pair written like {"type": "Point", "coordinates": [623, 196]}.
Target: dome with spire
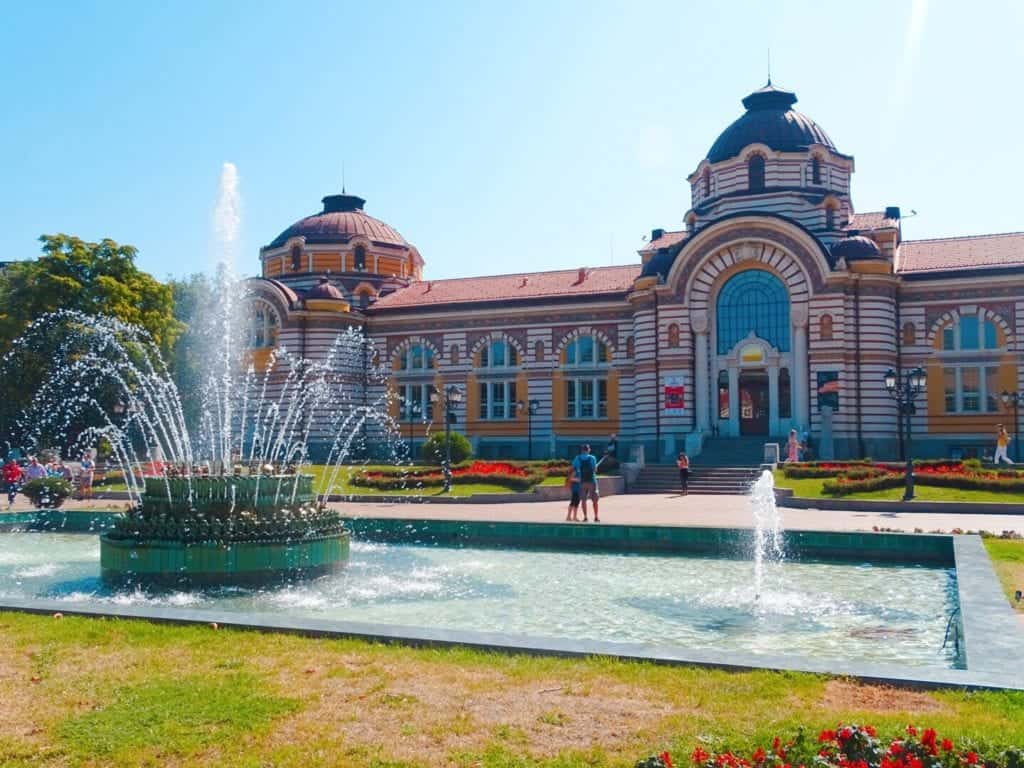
{"type": "Point", "coordinates": [771, 120]}
{"type": "Point", "coordinates": [341, 219]}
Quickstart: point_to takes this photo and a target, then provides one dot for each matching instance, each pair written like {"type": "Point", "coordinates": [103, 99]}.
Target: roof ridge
{"type": "Point", "coordinates": [963, 237]}
{"type": "Point", "coordinates": [524, 274]}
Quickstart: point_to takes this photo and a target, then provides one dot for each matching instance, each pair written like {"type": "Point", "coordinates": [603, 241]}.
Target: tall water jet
{"type": "Point", "coordinates": [767, 528]}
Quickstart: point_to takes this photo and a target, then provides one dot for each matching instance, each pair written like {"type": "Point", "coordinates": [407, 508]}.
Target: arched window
{"type": "Point", "coordinates": [971, 332]}
{"type": "Point", "coordinates": [830, 218]}
{"type": "Point", "coordinates": [538, 351]}
{"type": "Point", "coordinates": [785, 394]}
{"type": "Point", "coordinates": [296, 258]}
{"type": "Point", "coordinates": [586, 350]}
{"type": "Point", "coordinates": [706, 182]}
{"type": "Point", "coordinates": [630, 348]}
{"type": "Point", "coordinates": [825, 327]}
{"type": "Point", "coordinates": [754, 300]}
{"type": "Point", "coordinates": [364, 299]}
{"type": "Point", "coordinates": [815, 170]}
{"type": "Point", "coordinates": [263, 325]}
{"type": "Point", "coordinates": [416, 357]}
{"type": "Point", "coordinates": [498, 354]}
{"type": "Point", "coordinates": [673, 335]}
{"type": "Point", "coordinates": [359, 257]}
{"type": "Point", "coordinates": [909, 334]}
{"type": "Point", "coordinates": [971, 380]}
{"type": "Point", "coordinates": [755, 173]}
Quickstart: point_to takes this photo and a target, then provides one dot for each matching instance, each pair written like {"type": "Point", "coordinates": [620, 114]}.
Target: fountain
{"type": "Point", "coordinates": [767, 528]}
{"type": "Point", "coordinates": [235, 505]}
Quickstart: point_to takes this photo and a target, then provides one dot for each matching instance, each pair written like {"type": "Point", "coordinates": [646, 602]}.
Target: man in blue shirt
{"type": "Point", "coordinates": [585, 467]}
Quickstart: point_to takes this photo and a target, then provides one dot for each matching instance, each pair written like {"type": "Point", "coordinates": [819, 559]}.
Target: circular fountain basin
{"type": "Point", "coordinates": [207, 531]}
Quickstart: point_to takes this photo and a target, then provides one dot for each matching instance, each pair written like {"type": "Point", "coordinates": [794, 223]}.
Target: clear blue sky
{"type": "Point", "coordinates": [496, 137]}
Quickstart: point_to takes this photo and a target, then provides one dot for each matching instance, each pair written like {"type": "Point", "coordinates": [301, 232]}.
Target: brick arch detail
{"type": "Point", "coordinates": [731, 260]}
{"type": "Point", "coordinates": [404, 344]}
{"type": "Point", "coordinates": [584, 331]}
{"type": "Point", "coordinates": [498, 336]}
{"type": "Point", "coordinates": [952, 316]}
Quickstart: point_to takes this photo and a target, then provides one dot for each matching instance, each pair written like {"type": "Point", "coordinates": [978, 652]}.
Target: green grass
{"type": "Point", "coordinates": [93, 692]}
{"type": "Point", "coordinates": [1008, 559]}
{"type": "Point", "coordinates": [811, 488]}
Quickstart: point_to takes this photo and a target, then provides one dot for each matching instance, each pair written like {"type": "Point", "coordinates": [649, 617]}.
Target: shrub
{"type": "Point", "coordinates": [433, 450]}
{"type": "Point", "coordinates": [517, 478]}
{"type": "Point", "coordinates": [47, 492]}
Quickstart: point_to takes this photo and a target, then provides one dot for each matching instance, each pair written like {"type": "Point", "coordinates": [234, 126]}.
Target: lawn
{"type": "Point", "coordinates": [92, 692]}
{"type": "Point", "coordinates": [1008, 559]}
{"type": "Point", "coordinates": [810, 488]}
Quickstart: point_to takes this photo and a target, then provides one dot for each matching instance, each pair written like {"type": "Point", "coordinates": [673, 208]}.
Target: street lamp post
{"type": "Point", "coordinates": [451, 397]}
{"type": "Point", "coordinates": [534, 406]}
{"type": "Point", "coordinates": [1014, 400]}
{"type": "Point", "coordinates": [903, 392]}
{"type": "Point", "coordinates": [413, 409]}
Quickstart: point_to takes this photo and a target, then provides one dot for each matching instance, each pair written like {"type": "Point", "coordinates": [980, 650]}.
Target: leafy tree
{"type": "Point", "coordinates": [93, 278]}
{"type": "Point", "coordinates": [433, 450]}
{"type": "Point", "coordinates": [193, 298]}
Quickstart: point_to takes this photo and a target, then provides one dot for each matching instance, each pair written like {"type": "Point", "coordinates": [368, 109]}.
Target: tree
{"type": "Point", "coordinates": [193, 298]}
{"type": "Point", "coordinates": [72, 274]}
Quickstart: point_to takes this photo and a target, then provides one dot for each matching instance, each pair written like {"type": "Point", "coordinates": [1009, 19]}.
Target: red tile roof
{"type": "Point", "coordinates": [962, 253]}
{"type": "Point", "coordinates": [665, 241]}
{"type": "Point", "coordinates": [871, 220]}
{"type": "Point", "coordinates": [504, 288]}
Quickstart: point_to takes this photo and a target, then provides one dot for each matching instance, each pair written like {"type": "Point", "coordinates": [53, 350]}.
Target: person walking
{"type": "Point", "coordinates": [12, 477]}
{"type": "Point", "coordinates": [1002, 443]}
{"type": "Point", "coordinates": [585, 467]}
{"type": "Point", "coordinates": [793, 447]}
{"type": "Point", "coordinates": [683, 462]}
{"type": "Point", "coordinates": [85, 476]}
{"type": "Point", "coordinates": [573, 481]}
{"type": "Point", "coordinates": [35, 470]}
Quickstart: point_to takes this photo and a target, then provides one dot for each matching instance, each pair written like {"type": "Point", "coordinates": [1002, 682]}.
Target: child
{"type": "Point", "coordinates": [573, 481]}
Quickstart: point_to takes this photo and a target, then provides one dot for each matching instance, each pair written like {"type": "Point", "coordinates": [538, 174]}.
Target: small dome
{"type": "Point", "coordinates": [324, 290]}
{"type": "Point", "coordinates": [770, 120]}
{"type": "Point", "coordinates": [660, 263]}
{"type": "Point", "coordinates": [856, 248]}
{"type": "Point", "coordinates": [341, 219]}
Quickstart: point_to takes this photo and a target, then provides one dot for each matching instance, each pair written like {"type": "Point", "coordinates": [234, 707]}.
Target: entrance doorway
{"type": "Point", "coordinates": [753, 403]}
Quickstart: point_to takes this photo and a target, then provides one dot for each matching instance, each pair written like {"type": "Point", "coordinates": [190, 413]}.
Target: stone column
{"type": "Point", "coordinates": [802, 415]}
{"type": "Point", "coordinates": [773, 401]}
{"type": "Point", "coordinates": [699, 323]}
{"type": "Point", "coordinates": [734, 401]}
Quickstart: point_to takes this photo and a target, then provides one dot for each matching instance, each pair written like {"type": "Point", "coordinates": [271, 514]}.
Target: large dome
{"type": "Point", "coordinates": [341, 219]}
{"type": "Point", "coordinates": [771, 120]}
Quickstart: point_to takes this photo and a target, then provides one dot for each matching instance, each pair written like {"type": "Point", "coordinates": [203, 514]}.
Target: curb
{"type": "Point", "coordinates": [784, 498]}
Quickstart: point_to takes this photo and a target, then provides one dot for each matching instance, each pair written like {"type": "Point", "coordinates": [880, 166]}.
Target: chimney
{"type": "Point", "coordinates": [429, 286]}
{"type": "Point", "coordinates": [892, 212]}
{"type": "Point", "coordinates": [581, 275]}
{"type": "Point", "coordinates": [657, 233]}
{"type": "Point", "coordinates": [523, 284]}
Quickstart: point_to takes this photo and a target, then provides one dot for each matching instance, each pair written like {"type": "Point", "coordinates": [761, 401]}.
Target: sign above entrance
{"type": "Point", "coordinates": [674, 393]}
{"type": "Point", "coordinates": [752, 353]}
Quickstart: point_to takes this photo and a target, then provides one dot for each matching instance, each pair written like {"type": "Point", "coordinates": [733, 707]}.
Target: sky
{"type": "Point", "coordinates": [496, 137]}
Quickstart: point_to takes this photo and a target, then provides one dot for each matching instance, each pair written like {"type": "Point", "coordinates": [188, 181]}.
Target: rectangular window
{"type": "Point", "coordinates": [947, 338]}
{"type": "Point", "coordinates": [484, 399]}
{"type": "Point", "coordinates": [602, 398]}
{"type": "Point", "coordinates": [570, 399]}
{"type": "Point", "coordinates": [949, 386]}
{"type": "Point", "coordinates": [970, 390]}
{"type": "Point", "coordinates": [586, 398]}
{"type": "Point", "coordinates": [828, 390]}
{"type": "Point", "coordinates": [416, 404]}
{"type": "Point", "coordinates": [969, 332]}
{"type": "Point", "coordinates": [497, 400]}
{"type": "Point", "coordinates": [991, 389]}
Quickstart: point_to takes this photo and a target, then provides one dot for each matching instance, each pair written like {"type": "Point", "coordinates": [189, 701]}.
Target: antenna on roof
{"type": "Point", "coordinates": [769, 65]}
{"type": "Point", "coordinates": [343, 177]}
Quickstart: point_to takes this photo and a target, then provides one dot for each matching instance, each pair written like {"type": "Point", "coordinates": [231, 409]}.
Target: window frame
{"type": "Point", "coordinates": [576, 405]}
{"type": "Point", "coordinates": [270, 327]}
{"type": "Point", "coordinates": [486, 407]}
{"type": "Point", "coordinates": [406, 358]}
{"type": "Point", "coordinates": [600, 349]}
{"type": "Point", "coordinates": [757, 180]}
{"type": "Point", "coordinates": [988, 402]}
{"type": "Point", "coordinates": [425, 389]}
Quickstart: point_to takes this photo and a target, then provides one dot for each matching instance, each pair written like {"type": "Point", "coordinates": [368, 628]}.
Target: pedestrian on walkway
{"type": "Point", "coordinates": [85, 476]}
{"type": "Point", "coordinates": [683, 462]}
{"type": "Point", "coordinates": [1002, 443]}
{"type": "Point", "coordinates": [585, 466]}
{"type": "Point", "coordinates": [573, 481]}
{"type": "Point", "coordinates": [793, 447]}
{"type": "Point", "coordinates": [12, 478]}
{"type": "Point", "coordinates": [35, 470]}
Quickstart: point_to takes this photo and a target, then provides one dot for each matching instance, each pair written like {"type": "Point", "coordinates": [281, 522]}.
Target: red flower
{"type": "Point", "coordinates": [911, 730]}
{"type": "Point", "coordinates": [759, 755]}
{"type": "Point", "coordinates": [895, 748]}
{"type": "Point", "coordinates": [827, 736]}
{"type": "Point", "coordinates": [846, 733]}
{"type": "Point", "coordinates": [777, 747]}
{"type": "Point", "coordinates": [870, 731]}
{"type": "Point", "coordinates": [972, 758]}
{"type": "Point", "coordinates": [699, 756]}
{"type": "Point", "coordinates": [912, 762]}
{"type": "Point", "coordinates": [947, 745]}
{"type": "Point", "coordinates": [666, 760]}
{"type": "Point", "coordinates": [928, 739]}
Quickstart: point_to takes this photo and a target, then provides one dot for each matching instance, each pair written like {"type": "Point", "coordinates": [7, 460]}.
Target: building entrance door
{"type": "Point", "coordinates": [753, 403]}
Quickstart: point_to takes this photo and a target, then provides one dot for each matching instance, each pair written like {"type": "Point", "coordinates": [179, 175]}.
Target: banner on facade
{"type": "Point", "coordinates": [674, 393]}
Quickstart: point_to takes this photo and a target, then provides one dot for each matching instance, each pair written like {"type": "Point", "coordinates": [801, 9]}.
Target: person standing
{"type": "Point", "coordinates": [35, 470]}
{"type": "Point", "coordinates": [573, 481]}
{"type": "Point", "coordinates": [793, 447]}
{"type": "Point", "coordinates": [683, 462]}
{"type": "Point", "coordinates": [12, 477]}
{"type": "Point", "coordinates": [585, 466]}
{"type": "Point", "coordinates": [1002, 443]}
{"type": "Point", "coordinates": [85, 476]}
{"type": "Point", "coordinates": [611, 454]}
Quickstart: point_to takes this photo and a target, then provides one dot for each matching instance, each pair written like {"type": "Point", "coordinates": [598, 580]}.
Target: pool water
{"type": "Point", "coordinates": [850, 611]}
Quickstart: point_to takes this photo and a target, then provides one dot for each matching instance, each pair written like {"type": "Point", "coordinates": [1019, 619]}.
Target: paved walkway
{"type": "Point", "coordinates": [657, 509]}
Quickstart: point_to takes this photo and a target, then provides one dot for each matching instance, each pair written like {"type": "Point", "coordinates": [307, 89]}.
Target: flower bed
{"type": "Point", "coordinates": [844, 478]}
{"type": "Point", "coordinates": [854, 746]}
{"type": "Point", "coordinates": [513, 476]}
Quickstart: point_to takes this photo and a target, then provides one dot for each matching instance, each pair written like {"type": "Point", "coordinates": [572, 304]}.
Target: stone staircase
{"type": "Point", "coordinates": [725, 466]}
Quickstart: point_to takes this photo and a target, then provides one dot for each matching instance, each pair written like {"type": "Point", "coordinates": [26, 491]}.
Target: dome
{"type": "Point", "coordinates": [341, 219]}
{"type": "Point", "coordinates": [770, 120]}
{"type": "Point", "coordinates": [324, 290]}
{"type": "Point", "coordinates": [856, 248]}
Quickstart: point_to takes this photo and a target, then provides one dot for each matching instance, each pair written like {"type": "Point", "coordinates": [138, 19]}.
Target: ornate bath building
{"type": "Point", "coordinates": [777, 307]}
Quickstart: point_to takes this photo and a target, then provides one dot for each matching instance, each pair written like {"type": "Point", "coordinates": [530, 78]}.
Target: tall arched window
{"type": "Point", "coordinates": [497, 386]}
{"type": "Point", "coordinates": [825, 327]}
{"type": "Point", "coordinates": [360, 258]}
{"type": "Point", "coordinates": [586, 378]}
{"type": "Point", "coordinates": [706, 182]}
{"type": "Point", "coordinates": [754, 300]}
{"type": "Point", "coordinates": [498, 354]}
{"type": "Point", "coordinates": [971, 347]}
{"type": "Point", "coordinates": [755, 173]}
{"type": "Point", "coordinates": [296, 258]}
{"type": "Point", "coordinates": [586, 350]}
{"type": "Point", "coordinates": [364, 299]}
{"type": "Point", "coordinates": [815, 170]}
{"type": "Point", "coordinates": [673, 335]}
{"type": "Point", "coordinates": [263, 325]}
{"type": "Point", "coordinates": [909, 334]}
{"type": "Point", "coordinates": [416, 357]}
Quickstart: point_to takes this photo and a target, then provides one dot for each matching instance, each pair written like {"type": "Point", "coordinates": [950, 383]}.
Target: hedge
{"type": "Point", "coordinates": [512, 476]}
